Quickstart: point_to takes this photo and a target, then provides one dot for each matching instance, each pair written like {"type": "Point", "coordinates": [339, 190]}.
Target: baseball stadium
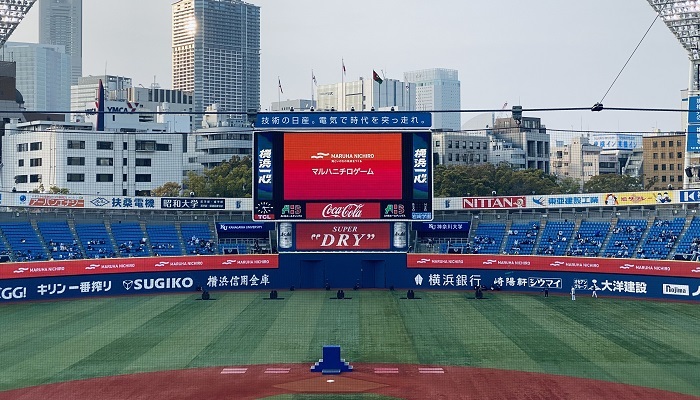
{"type": "Point", "coordinates": [339, 281]}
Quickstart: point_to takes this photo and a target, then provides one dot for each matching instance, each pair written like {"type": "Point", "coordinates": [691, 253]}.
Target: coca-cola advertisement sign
{"type": "Point", "coordinates": [343, 237]}
{"type": "Point", "coordinates": [342, 211]}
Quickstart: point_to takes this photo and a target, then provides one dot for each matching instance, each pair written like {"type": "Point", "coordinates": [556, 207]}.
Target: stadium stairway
{"type": "Point", "coordinates": [112, 240]}
{"type": "Point", "coordinates": [35, 226]}
{"type": "Point", "coordinates": [643, 239]}
{"type": "Point", "coordinates": [504, 242]}
{"type": "Point", "coordinates": [74, 232]}
{"type": "Point", "coordinates": [684, 231]}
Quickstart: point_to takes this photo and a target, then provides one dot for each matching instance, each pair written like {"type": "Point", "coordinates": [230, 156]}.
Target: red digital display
{"type": "Point", "coordinates": [131, 265]}
{"type": "Point", "coordinates": [556, 264]}
{"type": "Point", "coordinates": [342, 166]}
{"type": "Point", "coordinates": [345, 236]}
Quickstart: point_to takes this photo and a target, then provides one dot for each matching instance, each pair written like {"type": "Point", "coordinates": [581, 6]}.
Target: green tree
{"type": "Point", "coordinates": [168, 189]}
{"type": "Point", "coordinates": [232, 178]}
{"type": "Point", "coordinates": [568, 185]}
{"type": "Point", "coordinates": [612, 183]}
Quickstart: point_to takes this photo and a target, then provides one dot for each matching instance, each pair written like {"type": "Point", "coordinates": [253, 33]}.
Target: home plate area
{"type": "Point", "coordinates": [403, 381]}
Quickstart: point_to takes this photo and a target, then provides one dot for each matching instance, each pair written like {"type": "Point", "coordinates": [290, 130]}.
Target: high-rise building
{"type": "Point", "coordinates": [43, 75]}
{"type": "Point", "coordinates": [85, 91]}
{"type": "Point", "coordinates": [61, 23]}
{"type": "Point", "coordinates": [216, 54]}
{"type": "Point", "coordinates": [437, 89]}
{"type": "Point", "coordinates": [367, 94]}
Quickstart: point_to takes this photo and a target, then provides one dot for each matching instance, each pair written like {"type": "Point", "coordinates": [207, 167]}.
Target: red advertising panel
{"type": "Point", "coordinates": [339, 211]}
{"type": "Point", "coordinates": [563, 264]}
{"type": "Point", "coordinates": [131, 265]}
{"type": "Point", "coordinates": [343, 236]}
{"type": "Point", "coordinates": [342, 166]}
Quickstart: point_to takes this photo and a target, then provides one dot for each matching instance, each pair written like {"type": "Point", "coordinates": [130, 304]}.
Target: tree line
{"type": "Point", "coordinates": [233, 178]}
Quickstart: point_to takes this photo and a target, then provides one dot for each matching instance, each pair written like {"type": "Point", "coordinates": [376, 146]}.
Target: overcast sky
{"type": "Point", "coordinates": [537, 53]}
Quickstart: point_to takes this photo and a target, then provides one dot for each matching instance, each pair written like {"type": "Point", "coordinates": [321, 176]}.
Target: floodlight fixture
{"type": "Point", "coordinates": [682, 17]}
{"type": "Point", "coordinates": [12, 12]}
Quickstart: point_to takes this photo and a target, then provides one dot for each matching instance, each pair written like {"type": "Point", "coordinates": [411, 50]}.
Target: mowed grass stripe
{"type": "Point", "coordinates": [600, 352]}
{"type": "Point", "coordinates": [32, 318]}
{"type": "Point", "coordinates": [643, 352]}
{"type": "Point", "coordinates": [338, 324]}
{"type": "Point", "coordinates": [512, 315]}
{"type": "Point", "coordinates": [289, 338]}
{"type": "Point", "coordinates": [115, 356]}
{"type": "Point", "coordinates": [431, 329]}
{"type": "Point", "coordinates": [385, 338]}
{"type": "Point", "coordinates": [488, 346]}
{"type": "Point", "coordinates": [200, 323]}
{"type": "Point", "coordinates": [246, 327]}
{"type": "Point", "coordinates": [47, 353]}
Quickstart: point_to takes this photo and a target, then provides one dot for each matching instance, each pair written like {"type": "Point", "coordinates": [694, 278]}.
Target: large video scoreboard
{"type": "Point", "coordinates": [333, 176]}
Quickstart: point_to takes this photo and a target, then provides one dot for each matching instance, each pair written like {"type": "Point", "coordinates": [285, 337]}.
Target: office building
{"type": "Point", "coordinates": [663, 165]}
{"type": "Point", "coordinates": [85, 91]}
{"type": "Point", "coordinates": [216, 54]}
{"type": "Point", "coordinates": [366, 94]}
{"type": "Point", "coordinates": [437, 89]}
{"type": "Point", "coordinates": [581, 160]}
{"type": "Point", "coordinates": [43, 75]}
{"type": "Point", "coordinates": [61, 23]}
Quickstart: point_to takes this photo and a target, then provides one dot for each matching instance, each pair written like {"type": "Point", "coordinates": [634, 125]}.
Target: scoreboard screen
{"type": "Point", "coordinates": [331, 176]}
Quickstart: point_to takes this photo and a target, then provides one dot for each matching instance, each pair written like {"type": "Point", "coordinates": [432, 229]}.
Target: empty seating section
{"type": "Point", "coordinates": [59, 240]}
{"type": "Point", "coordinates": [625, 238]}
{"type": "Point", "coordinates": [95, 239]}
{"type": "Point", "coordinates": [663, 235]}
{"type": "Point", "coordinates": [130, 239]}
{"type": "Point", "coordinates": [164, 240]}
{"type": "Point", "coordinates": [24, 241]}
{"type": "Point", "coordinates": [588, 241]}
{"type": "Point", "coordinates": [521, 238]}
{"type": "Point", "coordinates": [198, 239]}
{"type": "Point", "coordinates": [690, 242]}
{"type": "Point", "coordinates": [555, 238]}
{"type": "Point", "coordinates": [488, 238]}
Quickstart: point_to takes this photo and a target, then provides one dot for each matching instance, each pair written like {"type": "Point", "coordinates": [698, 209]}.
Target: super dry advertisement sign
{"type": "Point", "coordinates": [343, 236]}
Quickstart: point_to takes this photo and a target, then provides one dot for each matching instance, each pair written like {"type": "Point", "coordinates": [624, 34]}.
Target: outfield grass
{"type": "Point", "coordinates": [654, 344]}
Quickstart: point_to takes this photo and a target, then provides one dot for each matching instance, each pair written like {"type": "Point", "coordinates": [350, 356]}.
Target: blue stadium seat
{"type": "Point", "coordinates": [625, 238]}
{"type": "Point", "coordinates": [164, 240]}
{"type": "Point", "coordinates": [522, 237]}
{"type": "Point", "coordinates": [130, 239]}
{"type": "Point", "coordinates": [588, 241]}
{"type": "Point", "coordinates": [198, 239]}
{"type": "Point", "coordinates": [555, 238]}
{"type": "Point", "coordinates": [24, 241]}
{"type": "Point", "coordinates": [488, 238]}
{"type": "Point", "coordinates": [95, 240]}
{"type": "Point", "coordinates": [59, 240]}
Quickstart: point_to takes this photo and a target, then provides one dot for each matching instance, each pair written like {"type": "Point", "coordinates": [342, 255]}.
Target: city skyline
{"type": "Point", "coordinates": [533, 54]}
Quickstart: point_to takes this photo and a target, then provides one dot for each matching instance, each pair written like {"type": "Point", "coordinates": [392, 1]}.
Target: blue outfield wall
{"type": "Point", "coordinates": [344, 270]}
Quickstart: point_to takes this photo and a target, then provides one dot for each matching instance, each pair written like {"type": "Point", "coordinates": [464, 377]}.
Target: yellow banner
{"type": "Point", "coordinates": [638, 198]}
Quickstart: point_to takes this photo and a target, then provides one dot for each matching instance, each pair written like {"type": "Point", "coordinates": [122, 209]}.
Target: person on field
{"type": "Point", "coordinates": [573, 293]}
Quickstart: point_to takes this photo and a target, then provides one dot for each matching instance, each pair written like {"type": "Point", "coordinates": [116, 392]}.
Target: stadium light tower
{"type": "Point", "coordinates": [12, 12]}
{"type": "Point", "coordinates": [682, 17]}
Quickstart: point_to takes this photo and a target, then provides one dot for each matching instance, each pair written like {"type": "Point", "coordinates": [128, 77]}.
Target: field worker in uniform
{"type": "Point", "coordinates": [573, 293]}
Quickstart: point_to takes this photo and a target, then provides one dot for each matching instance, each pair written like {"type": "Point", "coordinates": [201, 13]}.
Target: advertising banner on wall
{"type": "Point", "coordinates": [343, 236]}
{"type": "Point", "coordinates": [625, 266]}
{"type": "Point", "coordinates": [70, 201]}
{"type": "Point", "coordinates": [83, 286]}
{"type": "Point", "coordinates": [554, 282]}
{"type": "Point", "coordinates": [134, 265]}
